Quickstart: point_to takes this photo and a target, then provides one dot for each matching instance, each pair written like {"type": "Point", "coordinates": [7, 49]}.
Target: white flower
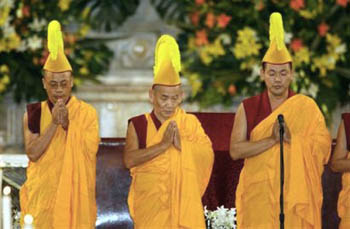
{"type": "Point", "coordinates": [340, 49]}
{"type": "Point", "coordinates": [7, 29]}
{"type": "Point", "coordinates": [34, 42]}
{"type": "Point", "coordinates": [22, 47]}
{"type": "Point", "coordinates": [38, 25]}
{"type": "Point", "coordinates": [313, 89]}
{"type": "Point", "coordinates": [8, 3]}
{"type": "Point", "coordinates": [225, 38]}
{"type": "Point", "coordinates": [288, 37]}
{"type": "Point", "coordinates": [222, 218]}
{"type": "Point", "coordinates": [255, 73]}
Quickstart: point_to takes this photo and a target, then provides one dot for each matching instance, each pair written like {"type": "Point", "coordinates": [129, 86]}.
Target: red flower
{"type": "Point", "coordinates": [296, 44]}
{"type": "Point", "coordinates": [210, 21]}
{"type": "Point", "coordinates": [26, 11]}
{"type": "Point", "coordinates": [223, 20]}
{"type": "Point", "coordinates": [342, 3]}
{"type": "Point", "coordinates": [195, 18]}
{"type": "Point", "coordinates": [200, 2]}
{"type": "Point", "coordinates": [323, 29]}
{"type": "Point", "coordinates": [201, 37]}
{"type": "Point", "coordinates": [44, 56]}
{"type": "Point", "coordinates": [297, 4]}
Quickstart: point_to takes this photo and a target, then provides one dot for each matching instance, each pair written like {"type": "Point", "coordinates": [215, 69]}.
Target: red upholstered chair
{"type": "Point", "coordinates": [113, 179]}
{"type": "Point", "coordinates": [225, 173]}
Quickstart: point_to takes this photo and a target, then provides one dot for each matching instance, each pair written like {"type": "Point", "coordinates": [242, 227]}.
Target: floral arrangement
{"type": "Point", "coordinates": [222, 218]}
{"type": "Point", "coordinates": [23, 32]}
{"type": "Point", "coordinates": [223, 43]}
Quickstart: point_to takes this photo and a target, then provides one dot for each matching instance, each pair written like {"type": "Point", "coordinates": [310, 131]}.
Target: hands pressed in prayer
{"type": "Point", "coordinates": [56, 114]}
{"type": "Point", "coordinates": [64, 115]}
{"type": "Point", "coordinates": [172, 136]}
{"type": "Point", "coordinates": [168, 135]}
{"type": "Point", "coordinates": [276, 132]}
{"type": "Point", "coordinates": [60, 114]}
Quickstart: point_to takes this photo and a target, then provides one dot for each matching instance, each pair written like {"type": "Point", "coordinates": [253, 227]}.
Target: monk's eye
{"type": "Point", "coordinates": [284, 73]}
{"type": "Point", "coordinates": [53, 85]}
{"type": "Point", "coordinates": [272, 73]}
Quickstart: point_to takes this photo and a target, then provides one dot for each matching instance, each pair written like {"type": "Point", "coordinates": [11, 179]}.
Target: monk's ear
{"type": "Point", "coordinates": [71, 81]}
{"type": "Point", "coordinates": [44, 82]}
{"type": "Point", "coordinates": [292, 74]}
{"type": "Point", "coordinates": [262, 74]}
{"type": "Point", "coordinates": [150, 94]}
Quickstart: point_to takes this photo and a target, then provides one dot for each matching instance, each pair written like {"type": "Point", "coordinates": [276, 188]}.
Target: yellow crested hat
{"type": "Point", "coordinates": [277, 52]}
{"type": "Point", "coordinates": [57, 60]}
{"type": "Point", "coordinates": [167, 64]}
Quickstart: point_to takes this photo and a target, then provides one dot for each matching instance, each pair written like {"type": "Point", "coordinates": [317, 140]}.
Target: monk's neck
{"type": "Point", "coordinates": [159, 117]}
{"type": "Point", "coordinates": [276, 101]}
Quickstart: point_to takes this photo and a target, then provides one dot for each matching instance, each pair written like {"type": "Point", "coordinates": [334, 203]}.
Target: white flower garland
{"type": "Point", "coordinates": [222, 218]}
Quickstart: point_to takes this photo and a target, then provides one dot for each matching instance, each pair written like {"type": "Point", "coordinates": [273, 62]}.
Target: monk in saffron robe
{"type": "Point", "coordinates": [340, 162]}
{"type": "Point", "coordinates": [255, 138]}
{"type": "Point", "coordinates": [61, 141]}
{"type": "Point", "coordinates": [168, 153]}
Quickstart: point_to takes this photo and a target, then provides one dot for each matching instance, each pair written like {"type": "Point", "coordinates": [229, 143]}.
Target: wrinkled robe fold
{"type": "Point", "coordinates": [257, 196]}
{"type": "Point", "coordinates": [60, 188]}
{"type": "Point", "coordinates": [166, 191]}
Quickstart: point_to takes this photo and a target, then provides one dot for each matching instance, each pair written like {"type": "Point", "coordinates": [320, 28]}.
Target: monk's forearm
{"type": "Point", "coordinates": [140, 156]}
{"type": "Point", "coordinates": [241, 150]}
{"type": "Point", "coordinates": [37, 147]}
{"type": "Point", "coordinates": [341, 165]}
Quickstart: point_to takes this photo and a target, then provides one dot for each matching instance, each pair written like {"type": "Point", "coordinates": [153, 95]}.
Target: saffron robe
{"type": "Point", "coordinates": [166, 191]}
{"type": "Point", "coordinates": [258, 191]}
{"type": "Point", "coordinates": [60, 188]}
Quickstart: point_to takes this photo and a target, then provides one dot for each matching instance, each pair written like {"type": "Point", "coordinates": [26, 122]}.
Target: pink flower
{"type": "Point", "coordinates": [297, 4]}
{"type": "Point", "coordinates": [342, 3]}
{"type": "Point", "coordinates": [200, 2]}
{"type": "Point", "coordinates": [296, 44]}
{"type": "Point", "coordinates": [210, 21]}
{"type": "Point", "coordinates": [323, 29]}
{"type": "Point", "coordinates": [201, 37]}
{"type": "Point", "coordinates": [195, 18]}
{"type": "Point", "coordinates": [223, 20]}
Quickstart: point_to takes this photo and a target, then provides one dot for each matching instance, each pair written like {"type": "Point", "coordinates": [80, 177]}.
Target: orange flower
{"type": "Point", "coordinates": [210, 21]}
{"type": "Point", "coordinates": [69, 38]}
{"type": "Point", "coordinates": [223, 20]}
{"type": "Point", "coordinates": [296, 44]}
{"type": "Point", "coordinates": [200, 2]}
{"type": "Point", "coordinates": [232, 89]}
{"type": "Point", "coordinates": [323, 29]}
{"type": "Point", "coordinates": [297, 4]}
{"type": "Point", "coordinates": [201, 37]}
{"type": "Point", "coordinates": [342, 3]}
{"type": "Point", "coordinates": [36, 61]}
{"type": "Point", "coordinates": [259, 6]}
{"type": "Point", "coordinates": [194, 18]}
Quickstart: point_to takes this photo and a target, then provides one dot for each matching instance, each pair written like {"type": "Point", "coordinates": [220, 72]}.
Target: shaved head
{"type": "Point", "coordinates": [165, 100]}
{"type": "Point", "coordinates": [58, 85]}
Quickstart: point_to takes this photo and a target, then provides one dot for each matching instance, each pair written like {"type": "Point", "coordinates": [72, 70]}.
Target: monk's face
{"type": "Point", "coordinates": [165, 100]}
{"type": "Point", "coordinates": [277, 78]}
{"type": "Point", "coordinates": [58, 85]}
